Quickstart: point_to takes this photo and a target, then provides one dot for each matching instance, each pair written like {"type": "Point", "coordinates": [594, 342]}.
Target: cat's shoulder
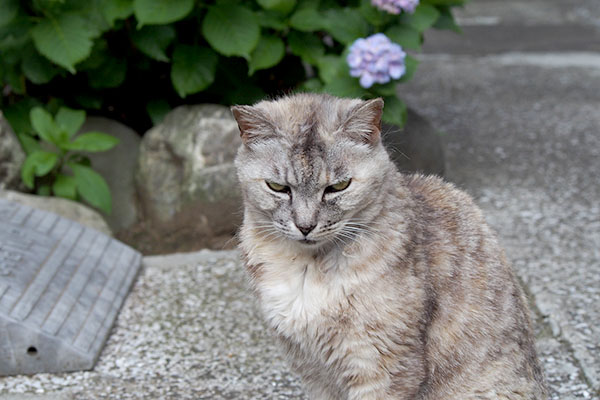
{"type": "Point", "coordinates": [435, 189]}
{"type": "Point", "coordinates": [443, 204]}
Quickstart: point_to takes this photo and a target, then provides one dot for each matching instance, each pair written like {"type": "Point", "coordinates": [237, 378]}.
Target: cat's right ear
{"type": "Point", "coordinates": [251, 122]}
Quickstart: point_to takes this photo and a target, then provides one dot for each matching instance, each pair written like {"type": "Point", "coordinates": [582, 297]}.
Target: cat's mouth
{"type": "Point", "coordinates": [308, 242]}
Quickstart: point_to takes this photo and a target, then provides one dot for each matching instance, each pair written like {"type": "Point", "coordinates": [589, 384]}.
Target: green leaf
{"type": "Point", "coordinates": [346, 25]}
{"type": "Point", "coordinates": [394, 111]}
{"type": "Point", "coordinates": [28, 143]}
{"type": "Point", "coordinates": [79, 158]}
{"type": "Point", "coordinates": [311, 85]}
{"type": "Point", "coordinates": [116, 9]}
{"type": "Point", "coordinates": [158, 12]}
{"type": "Point", "coordinates": [92, 142]}
{"type": "Point", "coordinates": [232, 30]}
{"type": "Point", "coordinates": [423, 18]}
{"type": "Point", "coordinates": [309, 4]}
{"type": "Point", "coordinates": [246, 94]}
{"type": "Point", "coordinates": [44, 190]}
{"type": "Point", "coordinates": [268, 52]}
{"type": "Point", "coordinates": [307, 20]}
{"type": "Point", "coordinates": [92, 187]}
{"type": "Point", "coordinates": [110, 74]}
{"type": "Point", "coordinates": [12, 56]}
{"type": "Point", "coordinates": [307, 46]}
{"type": "Point", "coordinates": [411, 64]}
{"type": "Point", "coordinates": [8, 11]}
{"type": "Point", "coordinates": [15, 34]}
{"type": "Point", "coordinates": [270, 19]}
{"type": "Point", "coordinates": [282, 6]}
{"type": "Point", "coordinates": [405, 36]}
{"type": "Point", "coordinates": [14, 78]}
{"type": "Point", "coordinates": [157, 109]}
{"type": "Point", "coordinates": [329, 67]}
{"type": "Point", "coordinates": [372, 14]}
{"type": "Point", "coordinates": [446, 21]}
{"type": "Point", "coordinates": [44, 125]}
{"type": "Point", "coordinates": [193, 69]}
{"type": "Point", "coordinates": [154, 40]}
{"type": "Point", "coordinates": [90, 10]}
{"type": "Point", "coordinates": [89, 100]}
{"type": "Point", "coordinates": [17, 115]}
{"type": "Point", "coordinates": [387, 89]}
{"type": "Point", "coordinates": [98, 55]}
{"type": "Point", "coordinates": [37, 68]}
{"type": "Point", "coordinates": [65, 40]}
{"type": "Point", "coordinates": [70, 120]}
{"type": "Point", "coordinates": [345, 86]}
{"type": "Point", "coordinates": [65, 186]}
{"type": "Point", "coordinates": [28, 172]}
{"type": "Point", "coordinates": [38, 163]}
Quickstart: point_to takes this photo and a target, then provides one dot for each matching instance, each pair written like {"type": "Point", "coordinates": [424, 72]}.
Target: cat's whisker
{"type": "Point", "coordinates": [368, 236]}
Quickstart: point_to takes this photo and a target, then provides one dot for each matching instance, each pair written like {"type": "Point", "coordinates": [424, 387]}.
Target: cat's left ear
{"type": "Point", "coordinates": [364, 121]}
{"type": "Point", "coordinates": [251, 122]}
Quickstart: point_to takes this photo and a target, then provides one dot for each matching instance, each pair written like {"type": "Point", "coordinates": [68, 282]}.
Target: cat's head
{"type": "Point", "coordinates": [311, 167]}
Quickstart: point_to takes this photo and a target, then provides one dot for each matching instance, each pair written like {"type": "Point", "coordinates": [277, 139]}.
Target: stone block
{"type": "Point", "coordinates": [61, 287]}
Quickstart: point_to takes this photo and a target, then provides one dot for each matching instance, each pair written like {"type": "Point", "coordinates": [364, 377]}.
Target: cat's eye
{"type": "Point", "coordinates": [276, 187]}
{"type": "Point", "coordinates": [338, 187]}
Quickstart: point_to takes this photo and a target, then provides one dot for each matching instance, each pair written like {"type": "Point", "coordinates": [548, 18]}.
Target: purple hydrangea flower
{"type": "Point", "coordinates": [376, 59]}
{"type": "Point", "coordinates": [396, 6]}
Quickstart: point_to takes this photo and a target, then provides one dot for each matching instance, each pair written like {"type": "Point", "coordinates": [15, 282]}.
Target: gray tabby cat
{"type": "Point", "coordinates": [379, 285]}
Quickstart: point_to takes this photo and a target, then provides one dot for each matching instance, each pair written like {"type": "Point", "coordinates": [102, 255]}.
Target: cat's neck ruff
{"type": "Point", "coordinates": [297, 285]}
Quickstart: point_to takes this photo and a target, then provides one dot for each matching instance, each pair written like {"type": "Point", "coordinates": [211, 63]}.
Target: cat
{"type": "Point", "coordinates": [378, 284]}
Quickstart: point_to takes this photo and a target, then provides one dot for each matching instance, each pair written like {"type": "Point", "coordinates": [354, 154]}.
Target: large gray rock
{"type": "Point", "coordinates": [186, 181]}
{"type": "Point", "coordinates": [117, 166]}
{"type": "Point", "coordinates": [11, 157]}
{"type": "Point", "coordinates": [63, 207]}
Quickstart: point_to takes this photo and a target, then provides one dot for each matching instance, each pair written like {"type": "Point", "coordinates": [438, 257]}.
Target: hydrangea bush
{"type": "Point", "coordinates": [134, 60]}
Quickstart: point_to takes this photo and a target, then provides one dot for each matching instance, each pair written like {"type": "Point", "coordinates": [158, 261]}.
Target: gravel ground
{"type": "Point", "coordinates": [187, 331]}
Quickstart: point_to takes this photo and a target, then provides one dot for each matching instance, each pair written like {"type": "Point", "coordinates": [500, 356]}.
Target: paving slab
{"type": "Point", "coordinates": [524, 140]}
{"type": "Point", "coordinates": [529, 12]}
{"type": "Point", "coordinates": [498, 26]}
{"type": "Point", "coordinates": [484, 40]}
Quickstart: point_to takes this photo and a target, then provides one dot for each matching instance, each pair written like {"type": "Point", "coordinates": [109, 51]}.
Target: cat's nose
{"type": "Point", "coordinates": [305, 229]}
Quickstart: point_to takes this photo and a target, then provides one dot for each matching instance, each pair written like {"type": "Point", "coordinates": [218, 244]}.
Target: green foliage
{"type": "Point", "coordinates": [232, 30]}
{"type": "Point", "coordinates": [154, 40]}
{"type": "Point", "coordinates": [46, 168]}
{"type": "Point", "coordinates": [158, 12]}
{"type": "Point", "coordinates": [394, 111]}
{"type": "Point", "coordinates": [65, 40]}
{"type": "Point", "coordinates": [134, 60]}
{"type": "Point", "coordinates": [193, 68]}
{"type": "Point", "coordinates": [268, 52]}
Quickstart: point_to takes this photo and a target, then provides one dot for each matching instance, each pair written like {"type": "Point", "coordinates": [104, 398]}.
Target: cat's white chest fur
{"type": "Point", "coordinates": [295, 293]}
